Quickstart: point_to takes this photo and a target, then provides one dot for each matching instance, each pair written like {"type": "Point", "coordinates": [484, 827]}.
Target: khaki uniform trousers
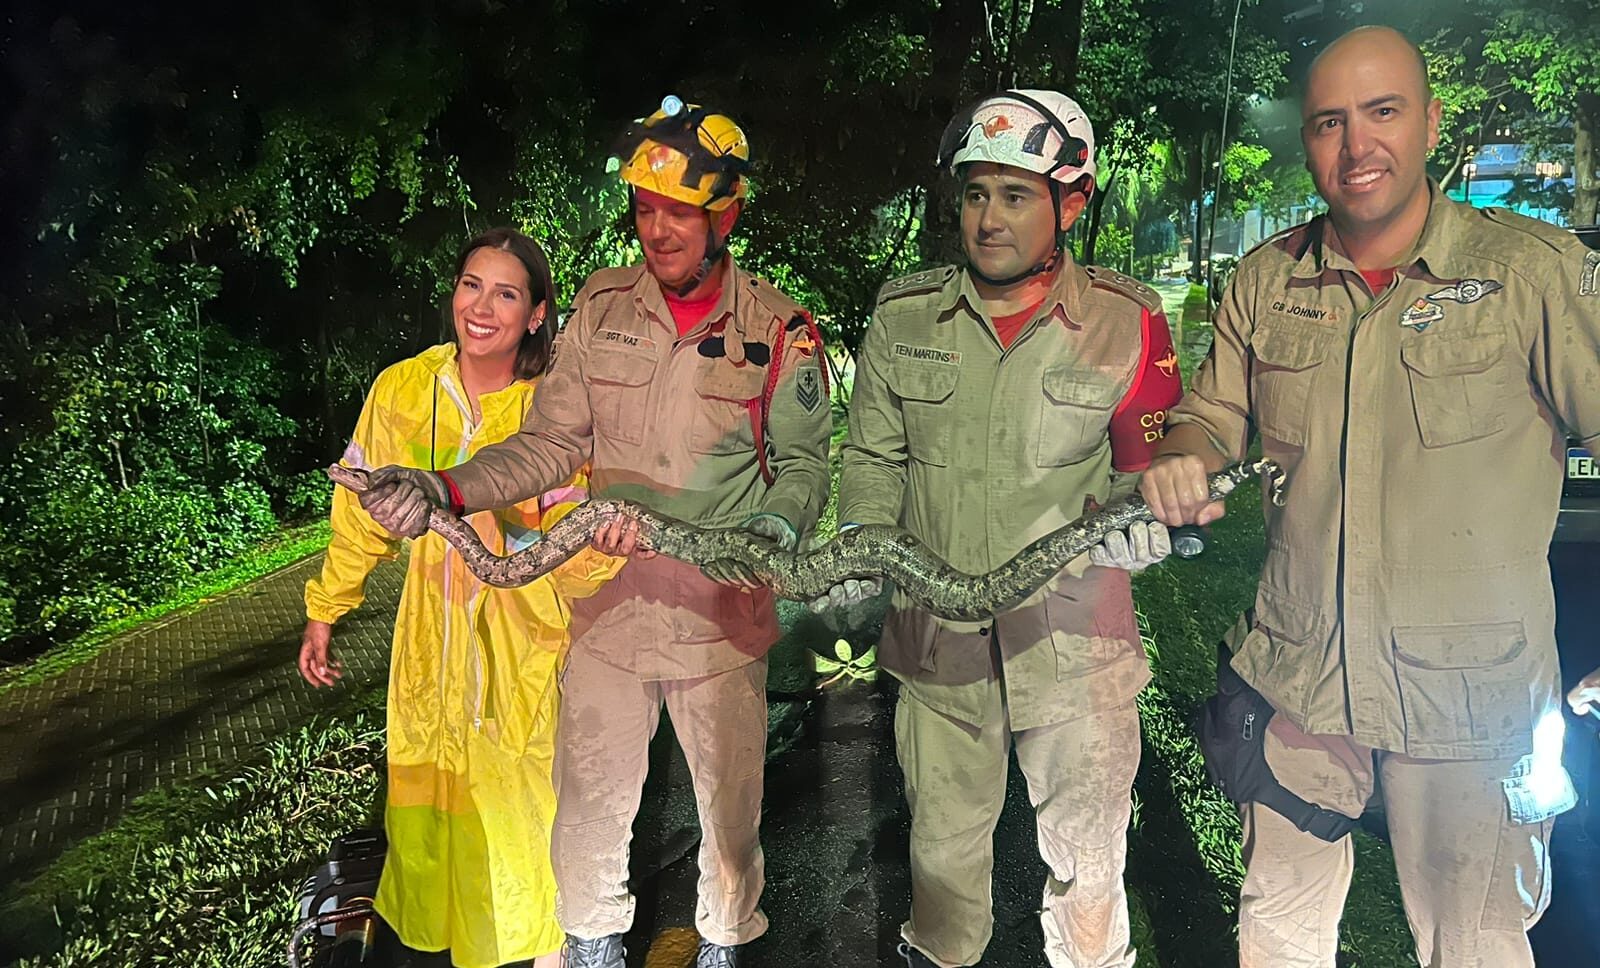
{"type": "Point", "coordinates": [608, 716]}
{"type": "Point", "coordinates": [1080, 782]}
{"type": "Point", "coordinates": [1472, 881]}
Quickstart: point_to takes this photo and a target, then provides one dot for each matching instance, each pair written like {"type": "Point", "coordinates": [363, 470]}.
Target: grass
{"type": "Point", "coordinates": [205, 872]}
{"type": "Point", "coordinates": [1196, 307]}
{"type": "Point", "coordinates": [288, 547]}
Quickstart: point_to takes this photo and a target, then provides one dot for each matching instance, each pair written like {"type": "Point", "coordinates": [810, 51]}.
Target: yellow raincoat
{"type": "Point", "coordinates": [473, 692]}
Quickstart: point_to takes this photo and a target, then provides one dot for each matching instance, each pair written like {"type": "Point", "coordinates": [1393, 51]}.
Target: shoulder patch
{"type": "Point", "coordinates": [1103, 278]}
{"type": "Point", "coordinates": [1286, 239]}
{"type": "Point", "coordinates": [772, 299]}
{"type": "Point", "coordinates": [1532, 229]}
{"type": "Point", "coordinates": [916, 284]}
{"type": "Point", "coordinates": [1292, 241]}
{"type": "Point", "coordinates": [609, 280]}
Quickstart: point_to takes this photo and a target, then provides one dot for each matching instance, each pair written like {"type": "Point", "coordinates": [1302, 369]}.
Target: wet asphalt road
{"type": "Point", "coordinates": [835, 832]}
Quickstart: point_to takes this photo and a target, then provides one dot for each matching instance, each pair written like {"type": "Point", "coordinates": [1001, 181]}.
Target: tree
{"type": "Point", "coordinates": [1551, 52]}
{"type": "Point", "coordinates": [1193, 94]}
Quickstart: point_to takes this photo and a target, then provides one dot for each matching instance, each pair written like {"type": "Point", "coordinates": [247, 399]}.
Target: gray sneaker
{"type": "Point", "coordinates": [606, 952]}
{"type": "Point", "coordinates": [717, 956]}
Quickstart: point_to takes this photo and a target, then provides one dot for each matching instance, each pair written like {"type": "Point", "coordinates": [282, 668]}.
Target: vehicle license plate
{"type": "Point", "coordinates": [1581, 465]}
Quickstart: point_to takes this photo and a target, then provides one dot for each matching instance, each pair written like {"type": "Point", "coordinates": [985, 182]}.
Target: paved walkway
{"type": "Point", "coordinates": [195, 692]}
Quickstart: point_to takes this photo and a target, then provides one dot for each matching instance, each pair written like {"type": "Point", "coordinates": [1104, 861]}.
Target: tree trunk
{"type": "Point", "coordinates": [951, 36]}
{"type": "Point", "coordinates": [1197, 193]}
{"type": "Point", "coordinates": [1586, 160]}
{"type": "Point", "coordinates": [331, 437]}
{"type": "Point", "coordinates": [1092, 237]}
{"type": "Point", "coordinates": [1071, 44]}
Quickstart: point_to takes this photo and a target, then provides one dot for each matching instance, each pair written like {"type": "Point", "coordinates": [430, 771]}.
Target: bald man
{"type": "Point", "coordinates": [1415, 364]}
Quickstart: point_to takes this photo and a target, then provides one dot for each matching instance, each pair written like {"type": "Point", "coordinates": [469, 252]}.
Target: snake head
{"type": "Point", "coordinates": [353, 478]}
{"type": "Point", "coordinates": [1275, 479]}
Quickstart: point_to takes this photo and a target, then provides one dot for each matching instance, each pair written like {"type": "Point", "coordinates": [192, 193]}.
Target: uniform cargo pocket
{"type": "Point", "coordinates": [924, 390]}
{"type": "Point", "coordinates": [1456, 390]}
{"type": "Point", "coordinates": [1519, 884]}
{"type": "Point", "coordinates": [906, 648]}
{"type": "Point", "coordinates": [1090, 622]}
{"type": "Point", "coordinates": [1286, 360]}
{"type": "Point", "coordinates": [1286, 647]}
{"type": "Point", "coordinates": [722, 420]}
{"type": "Point", "coordinates": [1290, 618]}
{"type": "Point", "coordinates": [1461, 685]}
{"type": "Point", "coordinates": [619, 390]}
{"type": "Point", "coordinates": [1074, 413]}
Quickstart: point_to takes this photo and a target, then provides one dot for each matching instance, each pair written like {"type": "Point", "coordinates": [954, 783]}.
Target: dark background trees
{"type": "Point", "coordinates": [220, 221]}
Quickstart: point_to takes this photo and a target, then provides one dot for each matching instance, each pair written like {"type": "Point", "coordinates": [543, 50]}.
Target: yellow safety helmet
{"type": "Point", "coordinates": [685, 153]}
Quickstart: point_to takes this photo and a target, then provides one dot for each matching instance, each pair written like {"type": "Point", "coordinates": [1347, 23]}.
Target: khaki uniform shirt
{"type": "Point", "coordinates": [1405, 598]}
{"type": "Point", "coordinates": [979, 451]}
{"type": "Point", "coordinates": [665, 422]}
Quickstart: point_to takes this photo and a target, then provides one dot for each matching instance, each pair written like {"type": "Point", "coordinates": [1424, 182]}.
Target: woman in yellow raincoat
{"type": "Point", "coordinates": [473, 694]}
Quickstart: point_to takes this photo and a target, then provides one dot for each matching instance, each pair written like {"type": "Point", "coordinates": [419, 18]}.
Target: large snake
{"type": "Point", "coordinates": [867, 551]}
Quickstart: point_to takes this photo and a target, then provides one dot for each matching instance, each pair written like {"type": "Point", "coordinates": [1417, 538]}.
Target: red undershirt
{"type": "Point", "coordinates": [1378, 280]}
{"type": "Point", "coordinates": [1008, 327]}
{"type": "Point", "coordinates": [687, 313]}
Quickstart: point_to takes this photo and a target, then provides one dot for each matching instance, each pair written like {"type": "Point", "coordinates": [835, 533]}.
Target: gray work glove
{"type": "Point", "coordinates": [400, 498]}
{"type": "Point", "coordinates": [851, 591]}
{"type": "Point", "coordinates": [1141, 546]}
{"type": "Point", "coordinates": [774, 528]}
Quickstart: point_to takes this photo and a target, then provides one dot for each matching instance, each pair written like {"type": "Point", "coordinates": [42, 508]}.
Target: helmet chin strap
{"type": "Point", "coordinates": [715, 250]}
{"type": "Point", "coordinates": [1048, 265]}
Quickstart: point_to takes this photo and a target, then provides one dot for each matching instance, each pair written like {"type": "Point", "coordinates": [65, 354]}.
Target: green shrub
{"type": "Point", "coordinates": [87, 554]}
{"type": "Point", "coordinates": [306, 495]}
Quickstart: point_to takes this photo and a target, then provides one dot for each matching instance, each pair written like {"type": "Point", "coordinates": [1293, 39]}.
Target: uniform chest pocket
{"type": "Point", "coordinates": [1287, 360]}
{"type": "Point", "coordinates": [925, 391]}
{"type": "Point", "coordinates": [619, 391]}
{"type": "Point", "coordinates": [1457, 391]}
{"type": "Point", "coordinates": [1075, 413]}
{"type": "Point", "coordinates": [1464, 685]}
{"type": "Point", "coordinates": [722, 420]}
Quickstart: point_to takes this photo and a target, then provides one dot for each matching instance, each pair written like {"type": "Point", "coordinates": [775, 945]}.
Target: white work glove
{"type": "Point", "coordinates": [1141, 546]}
{"type": "Point", "coordinates": [773, 527]}
{"type": "Point", "coordinates": [400, 498]}
{"type": "Point", "coordinates": [851, 591]}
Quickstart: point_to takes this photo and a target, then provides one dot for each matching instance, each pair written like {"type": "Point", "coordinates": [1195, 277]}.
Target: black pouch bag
{"type": "Point", "coordinates": [1233, 731]}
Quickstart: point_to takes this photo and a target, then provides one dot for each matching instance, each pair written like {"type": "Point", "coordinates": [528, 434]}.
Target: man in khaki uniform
{"type": "Point", "coordinates": [664, 381]}
{"type": "Point", "coordinates": [1414, 364]}
{"type": "Point", "coordinates": [991, 405]}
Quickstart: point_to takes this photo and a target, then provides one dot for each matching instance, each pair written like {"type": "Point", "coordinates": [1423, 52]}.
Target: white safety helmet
{"type": "Point", "coordinates": [1038, 131]}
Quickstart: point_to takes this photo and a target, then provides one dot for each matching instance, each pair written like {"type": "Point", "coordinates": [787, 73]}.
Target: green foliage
{"type": "Point", "coordinates": [1155, 237]}
{"type": "Point", "coordinates": [845, 664]}
{"type": "Point", "coordinates": [1115, 246]}
{"type": "Point", "coordinates": [1243, 172]}
{"type": "Point", "coordinates": [206, 873]}
{"type": "Point", "coordinates": [1196, 306]}
{"type": "Point", "coordinates": [287, 547]}
{"type": "Point", "coordinates": [1553, 47]}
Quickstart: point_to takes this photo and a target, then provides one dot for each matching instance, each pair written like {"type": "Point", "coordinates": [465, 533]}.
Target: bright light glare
{"type": "Point", "coordinates": [1547, 779]}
